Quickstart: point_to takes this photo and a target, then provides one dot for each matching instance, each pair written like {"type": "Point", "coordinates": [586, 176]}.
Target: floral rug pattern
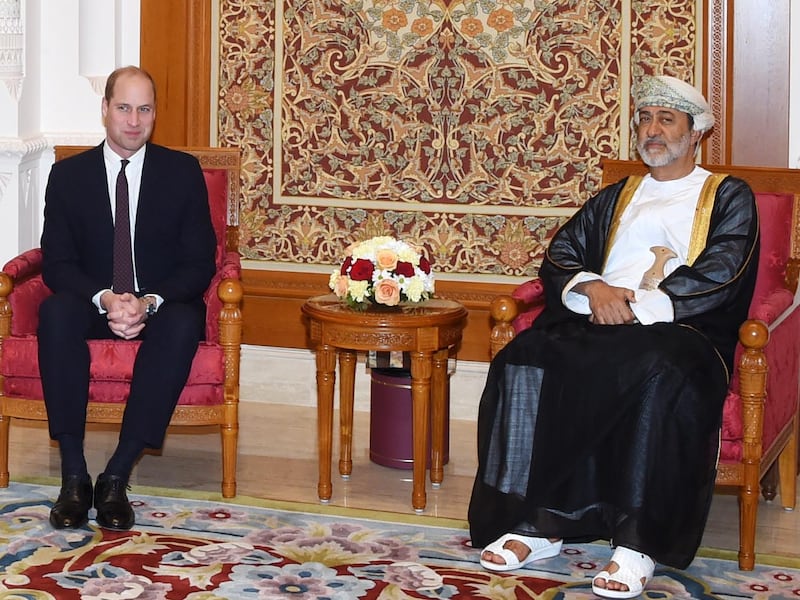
{"type": "Point", "coordinates": [214, 550]}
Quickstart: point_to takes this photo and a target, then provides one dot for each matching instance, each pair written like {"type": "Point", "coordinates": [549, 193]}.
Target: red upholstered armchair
{"type": "Point", "coordinates": [760, 416]}
{"type": "Point", "coordinates": [211, 395]}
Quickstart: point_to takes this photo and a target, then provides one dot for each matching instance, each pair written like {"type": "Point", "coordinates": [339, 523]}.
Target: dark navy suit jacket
{"type": "Point", "coordinates": [174, 239]}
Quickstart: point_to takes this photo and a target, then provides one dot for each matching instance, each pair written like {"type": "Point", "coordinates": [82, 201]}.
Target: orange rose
{"type": "Point", "coordinates": [386, 259]}
{"type": "Point", "coordinates": [342, 284]}
{"type": "Point", "coordinates": [387, 291]}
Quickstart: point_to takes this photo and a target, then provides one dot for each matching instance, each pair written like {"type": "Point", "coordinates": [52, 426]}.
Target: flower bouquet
{"type": "Point", "coordinates": [383, 271]}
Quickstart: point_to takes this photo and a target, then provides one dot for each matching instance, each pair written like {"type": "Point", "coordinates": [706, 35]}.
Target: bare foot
{"type": "Point", "coordinates": [626, 574]}
{"type": "Point", "coordinates": [610, 584]}
{"type": "Point", "coordinates": [519, 548]}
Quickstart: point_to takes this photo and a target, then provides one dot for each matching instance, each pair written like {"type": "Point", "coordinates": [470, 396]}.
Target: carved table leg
{"type": "Point", "coordinates": [347, 380]}
{"type": "Point", "coordinates": [438, 401]}
{"type": "Point", "coordinates": [326, 378]}
{"type": "Point", "coordinates": [421, 401]}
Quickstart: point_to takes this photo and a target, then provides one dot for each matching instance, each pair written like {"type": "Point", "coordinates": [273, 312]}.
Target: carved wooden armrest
{"type": "Point", "coordinates": [6, 285]}
{"type": "Point", "coordinates": [504, 309]}
{"type": "Point", "coordinates": [231, 292]}
{"type": "Point", "coordinates": [753, 335]}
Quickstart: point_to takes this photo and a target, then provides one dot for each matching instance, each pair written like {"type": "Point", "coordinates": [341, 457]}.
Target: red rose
{"type": "Point", "coordinates": [405, 268]}
{"type": "Point", "coordinates": [346, 265]}
{"type": "Point", "coordinates": [424, 265]}
{"type": "Point", "coordinates": [361, 270]}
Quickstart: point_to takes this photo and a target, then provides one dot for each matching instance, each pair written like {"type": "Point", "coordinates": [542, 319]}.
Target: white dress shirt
{"type": "Point", "coordinates": [133, 173]}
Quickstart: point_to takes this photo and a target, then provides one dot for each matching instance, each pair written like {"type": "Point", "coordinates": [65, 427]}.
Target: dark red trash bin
{"type": "Point", "coordinates": [390, 435]}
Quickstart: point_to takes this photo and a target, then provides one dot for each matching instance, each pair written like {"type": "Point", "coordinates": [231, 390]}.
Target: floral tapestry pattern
{"type": "Point", "coordinates": [473, 128]}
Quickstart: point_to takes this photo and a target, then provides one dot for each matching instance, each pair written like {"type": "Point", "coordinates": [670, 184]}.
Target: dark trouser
{"type": "Point", "coordinates": [168, 345]}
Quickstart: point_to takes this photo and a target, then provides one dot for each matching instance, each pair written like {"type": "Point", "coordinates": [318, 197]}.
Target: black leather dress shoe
{"type": "Point", "coordinates": [111, 501]}
{"type": "Point", "coordinates": [71, 509]}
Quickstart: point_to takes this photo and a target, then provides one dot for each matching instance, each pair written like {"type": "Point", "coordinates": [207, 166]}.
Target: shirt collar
{"type": "Point", "coordinates": [136, 159]}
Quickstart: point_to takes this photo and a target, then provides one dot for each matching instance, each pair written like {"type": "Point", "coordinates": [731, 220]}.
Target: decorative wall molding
{"type": "Point", "coordinates": [21, 164]}
{"type": "Point", "coordinates": [75, 139]}
{"type": "Point", "coordinates": [5, 178]}
{"type": "Point", "coordinates": [12, 46]}
{"type": "Point", "coordinates": [19, 148]}
{"type": "Point", "coordinates": [717, 80]}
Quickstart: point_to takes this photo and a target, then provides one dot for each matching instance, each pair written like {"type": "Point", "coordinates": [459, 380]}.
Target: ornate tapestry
{"type": "Point", "coordinates": [474, 128]}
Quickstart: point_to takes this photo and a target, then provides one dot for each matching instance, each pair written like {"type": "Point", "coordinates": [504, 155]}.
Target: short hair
{"type": "Point", "coordinates": [129, 70]}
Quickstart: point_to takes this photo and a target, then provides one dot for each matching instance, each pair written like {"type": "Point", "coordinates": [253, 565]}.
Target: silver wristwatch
{"type": "Point", "coordinates": [150, 305]}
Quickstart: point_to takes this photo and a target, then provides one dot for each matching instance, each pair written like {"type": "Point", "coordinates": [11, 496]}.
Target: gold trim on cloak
{"type": "Point", "coordinates": [702, 213]}
{"type": "Point", "coordinates": [702, 216]}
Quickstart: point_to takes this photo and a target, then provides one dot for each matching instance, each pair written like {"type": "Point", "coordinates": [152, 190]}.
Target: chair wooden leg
{"type": "Point", "coordinates": [787, 469]}
{"type": "Point", "coordinates": [230, 443]}
{"type": "Point", "coordinates": [769, 483]}
{"type": "Point", "coordinates": [748, 509]}
{"type": "Point", "coordinates": [5, 422]}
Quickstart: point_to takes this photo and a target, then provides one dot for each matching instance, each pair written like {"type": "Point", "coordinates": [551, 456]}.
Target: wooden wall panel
{"type": "Point", "coordinates": [760, 119]}
{"type": "Point", "coordinates": [176, 50]}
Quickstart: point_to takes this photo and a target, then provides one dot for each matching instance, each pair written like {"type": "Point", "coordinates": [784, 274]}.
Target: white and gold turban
{"type": "Point", "coordinates": [662, 90]}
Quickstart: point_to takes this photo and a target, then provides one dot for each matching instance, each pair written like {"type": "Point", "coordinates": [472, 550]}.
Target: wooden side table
{"type": "Point", "coordinates": [426, 331]}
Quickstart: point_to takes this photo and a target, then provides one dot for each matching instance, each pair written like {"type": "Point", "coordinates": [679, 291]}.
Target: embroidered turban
{"type": "Point", "coordinates": [662, 90]}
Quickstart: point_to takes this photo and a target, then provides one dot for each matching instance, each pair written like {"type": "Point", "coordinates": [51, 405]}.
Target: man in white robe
{"type": "Point", "coordinates": [601, 421]}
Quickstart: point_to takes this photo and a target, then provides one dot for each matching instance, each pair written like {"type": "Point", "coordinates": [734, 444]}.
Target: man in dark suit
{"type": "Point", "coordinates": [135, 272]}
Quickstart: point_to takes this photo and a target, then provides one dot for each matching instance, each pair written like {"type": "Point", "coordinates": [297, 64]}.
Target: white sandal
{"type": "Point", "coordinates": [634, 570]}
{"type": "Point", "coordinates": [540, 548]}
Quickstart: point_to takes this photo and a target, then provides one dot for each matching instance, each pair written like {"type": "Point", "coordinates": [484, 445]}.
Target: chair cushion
{"type": "Point", "coordinates": [732, 428]}
{"type": "Point", "coordinates": [29, 291]}
{"type": "Point", "coordinates": [217, 185]}
{"type": "Point", "coordinates": [527, 293]}
{"type": "Point", "coordinates": [775, 225]}
{"type": "Point", "coordinates": [110, 371]}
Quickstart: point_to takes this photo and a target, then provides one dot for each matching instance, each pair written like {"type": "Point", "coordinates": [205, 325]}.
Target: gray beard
{"type": "Point", "coordinates": [673, 152]}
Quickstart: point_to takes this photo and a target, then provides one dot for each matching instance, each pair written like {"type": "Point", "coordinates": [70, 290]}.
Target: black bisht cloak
{"type": "Point", "coordinates": [611, 431]}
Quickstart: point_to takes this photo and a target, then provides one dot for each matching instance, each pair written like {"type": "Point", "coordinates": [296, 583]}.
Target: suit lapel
{"type": "Point", "coordinates": [95, 190]}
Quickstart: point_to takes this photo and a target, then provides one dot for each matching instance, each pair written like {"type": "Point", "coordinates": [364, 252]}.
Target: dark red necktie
{"type": "Point", "coordinates": [123, 258]}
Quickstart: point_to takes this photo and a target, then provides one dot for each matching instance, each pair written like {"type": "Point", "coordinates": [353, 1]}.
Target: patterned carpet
{"type": "Point", "coordinates": [210, 549]}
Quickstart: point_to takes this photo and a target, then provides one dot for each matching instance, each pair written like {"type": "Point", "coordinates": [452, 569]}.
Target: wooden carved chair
{"type": "Point", "coordinates": [211, 395]}
{"type": "Point", "coordinates": [760, 415]}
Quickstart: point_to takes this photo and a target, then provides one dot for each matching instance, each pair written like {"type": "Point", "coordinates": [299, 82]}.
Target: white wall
{"type": "Point", "coordinates": [54, 103]}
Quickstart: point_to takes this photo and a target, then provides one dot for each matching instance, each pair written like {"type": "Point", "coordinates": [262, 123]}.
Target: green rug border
{"type": "Point", "coordinates": [304, 507]}
{"type": "Point", "coordinates": [773, 560]}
